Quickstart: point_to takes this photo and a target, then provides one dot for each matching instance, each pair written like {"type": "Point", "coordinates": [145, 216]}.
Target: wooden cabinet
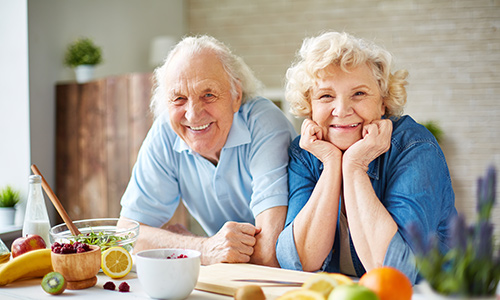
{"type": "Point", "coordinates": [100, 127]}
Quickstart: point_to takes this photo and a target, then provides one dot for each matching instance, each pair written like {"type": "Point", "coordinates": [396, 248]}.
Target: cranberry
{"type": "Point", "coordinates": [109, 286]}
{"type": "Point", "coordinates": [124, 287]}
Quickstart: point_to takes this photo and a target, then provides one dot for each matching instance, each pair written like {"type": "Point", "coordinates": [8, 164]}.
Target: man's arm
{"type": "Point", "coordinates": [271, 223]}
{"type": "Point", "coordinates": [234, 243]}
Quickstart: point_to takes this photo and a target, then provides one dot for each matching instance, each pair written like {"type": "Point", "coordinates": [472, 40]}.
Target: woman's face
{"type": "Point", "coordinates": [343, 102]}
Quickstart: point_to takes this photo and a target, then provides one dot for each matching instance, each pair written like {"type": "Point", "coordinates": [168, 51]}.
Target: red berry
{"type": "Point", "coordinates": [109, 286]}
{"type": "Point", "coordinates": [124, 287]}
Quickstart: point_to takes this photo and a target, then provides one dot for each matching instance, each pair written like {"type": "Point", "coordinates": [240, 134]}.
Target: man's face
{"type": "Point", "coordinates": [200, 104]}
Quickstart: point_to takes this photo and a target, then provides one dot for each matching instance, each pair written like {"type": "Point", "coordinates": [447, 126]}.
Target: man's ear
{"type": "Point", "coordinates": [238, 99]}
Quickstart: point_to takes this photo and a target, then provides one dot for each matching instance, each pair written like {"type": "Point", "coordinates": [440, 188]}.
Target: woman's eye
{"type": "Point", "coordinates": [326, 98]}
{"type": "Point", "coordinates": [359, 94]}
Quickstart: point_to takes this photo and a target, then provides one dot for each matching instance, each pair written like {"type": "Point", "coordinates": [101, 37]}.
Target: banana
{"type": "Point", "coordinates": [35, 263]}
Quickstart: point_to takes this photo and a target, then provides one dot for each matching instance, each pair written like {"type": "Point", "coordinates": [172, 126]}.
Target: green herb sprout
{"type": "Point", "coordinates": [105, 240]}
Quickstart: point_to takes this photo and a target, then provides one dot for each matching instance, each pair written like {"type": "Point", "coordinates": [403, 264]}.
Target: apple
{"type": "Point", "coordinates": [27, 243]}
{"type": "Point", "coordinates": [352, 292]}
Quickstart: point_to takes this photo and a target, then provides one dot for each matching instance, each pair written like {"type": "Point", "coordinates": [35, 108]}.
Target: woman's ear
{"type": "Point", "coordinates": [383, 108]}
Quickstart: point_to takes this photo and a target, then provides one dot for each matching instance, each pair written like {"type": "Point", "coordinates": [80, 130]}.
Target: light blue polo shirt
{"type": "Point", "coordinates": [251, 175]}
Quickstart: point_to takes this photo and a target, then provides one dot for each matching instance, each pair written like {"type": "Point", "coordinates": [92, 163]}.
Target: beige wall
{"type": "Point", "coordinates": [450, 48]}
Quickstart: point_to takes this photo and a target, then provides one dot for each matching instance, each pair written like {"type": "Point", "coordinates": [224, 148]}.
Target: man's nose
{"type": "Point", "coordinates": [194, 110]}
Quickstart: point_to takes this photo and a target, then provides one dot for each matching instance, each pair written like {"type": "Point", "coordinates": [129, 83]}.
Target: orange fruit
{"type": "Point", "coordinates": [388, 283]}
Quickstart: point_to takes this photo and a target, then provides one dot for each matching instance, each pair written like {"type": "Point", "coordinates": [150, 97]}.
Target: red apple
{"type": "Point", "coordinates": [27, 243]}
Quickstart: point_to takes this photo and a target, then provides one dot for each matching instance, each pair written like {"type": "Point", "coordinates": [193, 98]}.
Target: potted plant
{"type": "Point", "coordinates": [471, 267]}
{"type": "Point", "coordinates": [8, 200]}
{"type": "Point", "coordinates": [83, 55]}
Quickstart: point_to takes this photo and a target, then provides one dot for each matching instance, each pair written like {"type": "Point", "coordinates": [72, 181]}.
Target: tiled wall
{"type": "Point", "coordinates": [450, 48]}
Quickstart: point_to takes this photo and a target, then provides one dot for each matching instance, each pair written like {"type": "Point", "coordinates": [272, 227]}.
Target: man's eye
{"type": "Point", "coordinates": [210, 97]}
{"type": "Point", "coordinates": [178, 100]}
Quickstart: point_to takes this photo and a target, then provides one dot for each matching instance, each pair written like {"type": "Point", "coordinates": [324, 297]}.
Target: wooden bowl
{"type": "Point", "coordinates": [79, 269]}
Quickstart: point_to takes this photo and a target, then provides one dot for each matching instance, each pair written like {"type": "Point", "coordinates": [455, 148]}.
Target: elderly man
{"type": "Point", "coordinates": [220, 149]}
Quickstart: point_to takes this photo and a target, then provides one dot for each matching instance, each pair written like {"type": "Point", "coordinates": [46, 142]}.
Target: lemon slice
{"type": "Point", "coordinates": [322, 283]}
{"type": "Point", "coordinates": [301, 294]}
{"type": "Point", "coordinates": [116, 262]}
{"type": "Point", "coordinates": [341, 278]}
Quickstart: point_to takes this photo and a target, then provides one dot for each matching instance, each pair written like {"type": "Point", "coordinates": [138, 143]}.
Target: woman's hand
{"type": "Point", "coordinates": [311, 140]}
{"type": "Point", "coordinates": [376, 140]}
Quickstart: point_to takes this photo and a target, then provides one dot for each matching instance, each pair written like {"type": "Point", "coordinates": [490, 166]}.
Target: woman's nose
{"type": "Point", "coordinates": [342, 107]}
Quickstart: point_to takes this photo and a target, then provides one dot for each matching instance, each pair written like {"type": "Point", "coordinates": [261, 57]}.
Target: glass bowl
{"type": "Point", "coordinates": [101, 232]}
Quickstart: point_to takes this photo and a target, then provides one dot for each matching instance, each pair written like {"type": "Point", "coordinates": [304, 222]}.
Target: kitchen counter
{"type": "Point", "coordinates": [31, 289]}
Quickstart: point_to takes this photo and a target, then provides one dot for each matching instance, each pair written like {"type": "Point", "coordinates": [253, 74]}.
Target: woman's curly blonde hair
{"type": "Point", "coordinates": [347, 52]}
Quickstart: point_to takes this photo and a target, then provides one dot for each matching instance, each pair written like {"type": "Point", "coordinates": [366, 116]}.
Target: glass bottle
{"type": "Point", "coordinates": [36, 219]}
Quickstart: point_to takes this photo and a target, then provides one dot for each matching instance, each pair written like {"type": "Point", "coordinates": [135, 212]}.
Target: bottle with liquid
{"type": "Point", "coordinates": [36, 219]}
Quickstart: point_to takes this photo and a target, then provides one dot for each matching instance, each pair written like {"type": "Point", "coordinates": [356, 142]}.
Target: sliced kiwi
{"type": "Point", "coordinates": [54, 283]}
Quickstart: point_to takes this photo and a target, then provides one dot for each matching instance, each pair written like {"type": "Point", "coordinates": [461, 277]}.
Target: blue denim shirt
{"type": "Point", "coordinates": [412, 181]}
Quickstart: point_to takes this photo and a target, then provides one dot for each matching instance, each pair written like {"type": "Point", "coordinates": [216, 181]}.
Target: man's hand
{"type": "Point", "coordinates": [232, 244]}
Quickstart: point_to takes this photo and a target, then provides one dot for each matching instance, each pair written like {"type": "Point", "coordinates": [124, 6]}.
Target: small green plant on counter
{"type": "Point", "coordinates": [9, 197]}
{"type": "Point", "coordinates": [471, 267]}
{"type": "Point", "coordinates": [83, 51]}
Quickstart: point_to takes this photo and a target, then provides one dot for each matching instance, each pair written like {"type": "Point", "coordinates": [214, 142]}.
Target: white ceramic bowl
{"type": "Point", "coordinates": [165, 278]}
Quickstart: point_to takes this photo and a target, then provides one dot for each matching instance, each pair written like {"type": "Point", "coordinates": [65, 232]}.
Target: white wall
{"type": "Point", "coordinates": [123, 28]}
{"type": "Point", "coordinates": [14, 102]}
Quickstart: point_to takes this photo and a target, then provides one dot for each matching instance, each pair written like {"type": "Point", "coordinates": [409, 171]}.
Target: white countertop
{"type": "Point", "coordinates": [31, 289]}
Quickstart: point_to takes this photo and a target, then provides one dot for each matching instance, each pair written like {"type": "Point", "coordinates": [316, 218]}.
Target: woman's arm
{"type": "Point", "coordinates": [372, 227]}
{"type": "Point", "coordinates": [316, 223]}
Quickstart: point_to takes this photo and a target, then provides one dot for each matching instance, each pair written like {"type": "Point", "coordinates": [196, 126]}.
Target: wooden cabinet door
{"type": "Point", "coordinates": [100, 127]}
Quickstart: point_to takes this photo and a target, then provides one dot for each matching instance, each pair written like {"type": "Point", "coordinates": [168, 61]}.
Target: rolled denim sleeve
{"type": "Point", "coordinates": [286, 252]}
{"type": "Point", "coordinates": [400, 256]}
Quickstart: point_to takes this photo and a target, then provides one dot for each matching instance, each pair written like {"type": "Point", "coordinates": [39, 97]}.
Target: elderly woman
{"type": "Point", "coordinates": [360, 172]}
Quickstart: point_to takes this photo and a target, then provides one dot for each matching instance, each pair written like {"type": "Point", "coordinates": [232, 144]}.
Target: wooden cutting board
{"type": "Point", "coordinates": [219, 278]}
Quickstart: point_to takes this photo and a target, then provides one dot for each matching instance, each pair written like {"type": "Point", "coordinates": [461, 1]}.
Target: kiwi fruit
{"type": "Point", "coordinates": [54, 283]}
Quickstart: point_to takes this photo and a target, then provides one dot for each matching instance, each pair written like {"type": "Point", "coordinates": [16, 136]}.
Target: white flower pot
{"type": "Point", "coordinates": [84, 73]}
{"type": "Point", "coordinates": [7, 216]}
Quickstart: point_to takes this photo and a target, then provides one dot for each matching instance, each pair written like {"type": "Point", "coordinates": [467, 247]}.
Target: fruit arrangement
{"type": "Point", "coordinates": [376, 284]}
